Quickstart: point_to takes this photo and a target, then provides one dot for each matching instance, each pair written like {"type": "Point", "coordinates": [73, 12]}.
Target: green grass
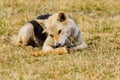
{"type": "Point", "coordinates": [100, 24]}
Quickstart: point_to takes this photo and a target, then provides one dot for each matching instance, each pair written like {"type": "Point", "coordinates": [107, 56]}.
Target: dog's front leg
{"type": "Point", "coordinates": [47, 46]}
{"type": "Point", "coordinates": [49, 49]}
{"type": "Point", "coordinates": [78, 47]}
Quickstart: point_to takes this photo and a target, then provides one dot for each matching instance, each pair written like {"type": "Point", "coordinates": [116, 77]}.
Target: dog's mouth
{"type": "Point", "coordinates": [60, 45]}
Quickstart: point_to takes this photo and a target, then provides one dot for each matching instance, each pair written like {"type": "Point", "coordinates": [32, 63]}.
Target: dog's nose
{"type": "Point", "coordinates": [57, 45]}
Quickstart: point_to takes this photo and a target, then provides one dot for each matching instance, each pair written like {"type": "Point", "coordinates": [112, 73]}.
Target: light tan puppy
{"type": "Point", "coordinates": [62, 31]}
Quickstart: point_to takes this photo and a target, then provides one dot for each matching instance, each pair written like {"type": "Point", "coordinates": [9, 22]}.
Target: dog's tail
{"type": "Point", "coordinates": [13, 39]}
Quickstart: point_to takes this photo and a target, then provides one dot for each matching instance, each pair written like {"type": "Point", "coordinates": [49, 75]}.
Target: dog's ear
{"type": "Point", "coordinates": [41, 22]}
{"type": "Point", "coordinates": [61, 16]}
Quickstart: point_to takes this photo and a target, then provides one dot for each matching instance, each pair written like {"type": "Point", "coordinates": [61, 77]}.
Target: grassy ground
{"type": "Point", "coordinates": [100, 23]}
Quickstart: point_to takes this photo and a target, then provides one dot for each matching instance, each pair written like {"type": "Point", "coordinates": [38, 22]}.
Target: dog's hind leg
{"type": "Point", "coordinates": [18, 41]}
{"type": "Point", "coordinates": [25, 39]}
{"type": "Point", "coordinates": [37, 43]}
{"type": "Point", "coordinates": [27, 34]}
{"type": "Point", "coordinates": [22, 39]}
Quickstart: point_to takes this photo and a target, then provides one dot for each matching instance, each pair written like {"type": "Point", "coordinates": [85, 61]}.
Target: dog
{"type": "Point", "coordinates": [64, 34]}
{"type": "Point", "coordinates": [32, 33]}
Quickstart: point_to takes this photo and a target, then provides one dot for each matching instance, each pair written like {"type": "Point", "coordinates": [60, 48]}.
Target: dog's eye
{"type": "Point", "coordinates": [59, 31]}
{"type": "Point", "coordinates": [51, 35]}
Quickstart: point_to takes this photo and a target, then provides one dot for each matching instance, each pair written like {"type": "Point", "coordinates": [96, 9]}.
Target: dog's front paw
{"type": "Point", "coordinates": [36, 54]}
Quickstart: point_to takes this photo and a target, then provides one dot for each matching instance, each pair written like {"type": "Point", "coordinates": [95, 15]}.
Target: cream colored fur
{"type": "Point", "coordinates": [25, 34]}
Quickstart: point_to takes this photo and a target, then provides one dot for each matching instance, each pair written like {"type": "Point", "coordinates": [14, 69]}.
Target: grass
{"type": "Point", "coordinates": [100, 24]}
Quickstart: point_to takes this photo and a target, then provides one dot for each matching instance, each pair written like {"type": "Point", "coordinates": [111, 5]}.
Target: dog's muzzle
{"type": "Point", "coordinates": [59, 45]}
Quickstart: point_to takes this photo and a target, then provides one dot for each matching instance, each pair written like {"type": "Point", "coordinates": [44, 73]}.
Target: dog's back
{"type": "Point", "coordinates": [32, 33]}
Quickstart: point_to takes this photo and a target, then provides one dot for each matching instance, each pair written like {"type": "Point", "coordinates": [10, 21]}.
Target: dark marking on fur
{"type": "Point", "coordinates": [38, 29]}
{"type": "Point", "coordinates": [45, 16]}
{"type": "Point", "coordinates": [32, 42]}
{"type": "Point", "coordinates": [78, 34]}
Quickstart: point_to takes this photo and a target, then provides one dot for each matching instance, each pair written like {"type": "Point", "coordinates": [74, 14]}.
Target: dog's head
{"type": "Point", "coordinates": [58, 28]}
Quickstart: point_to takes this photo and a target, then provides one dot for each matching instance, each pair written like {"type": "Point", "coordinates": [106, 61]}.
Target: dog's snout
{"type": "Point", "coordinates": [58, 45]}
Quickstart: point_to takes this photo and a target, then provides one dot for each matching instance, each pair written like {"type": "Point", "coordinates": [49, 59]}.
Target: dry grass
{"type": "Point", "coordinates": [100, 23]}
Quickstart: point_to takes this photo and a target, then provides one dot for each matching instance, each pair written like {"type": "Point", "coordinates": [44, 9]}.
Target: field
{"type": "Point", "coordinates": [99, 21]}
